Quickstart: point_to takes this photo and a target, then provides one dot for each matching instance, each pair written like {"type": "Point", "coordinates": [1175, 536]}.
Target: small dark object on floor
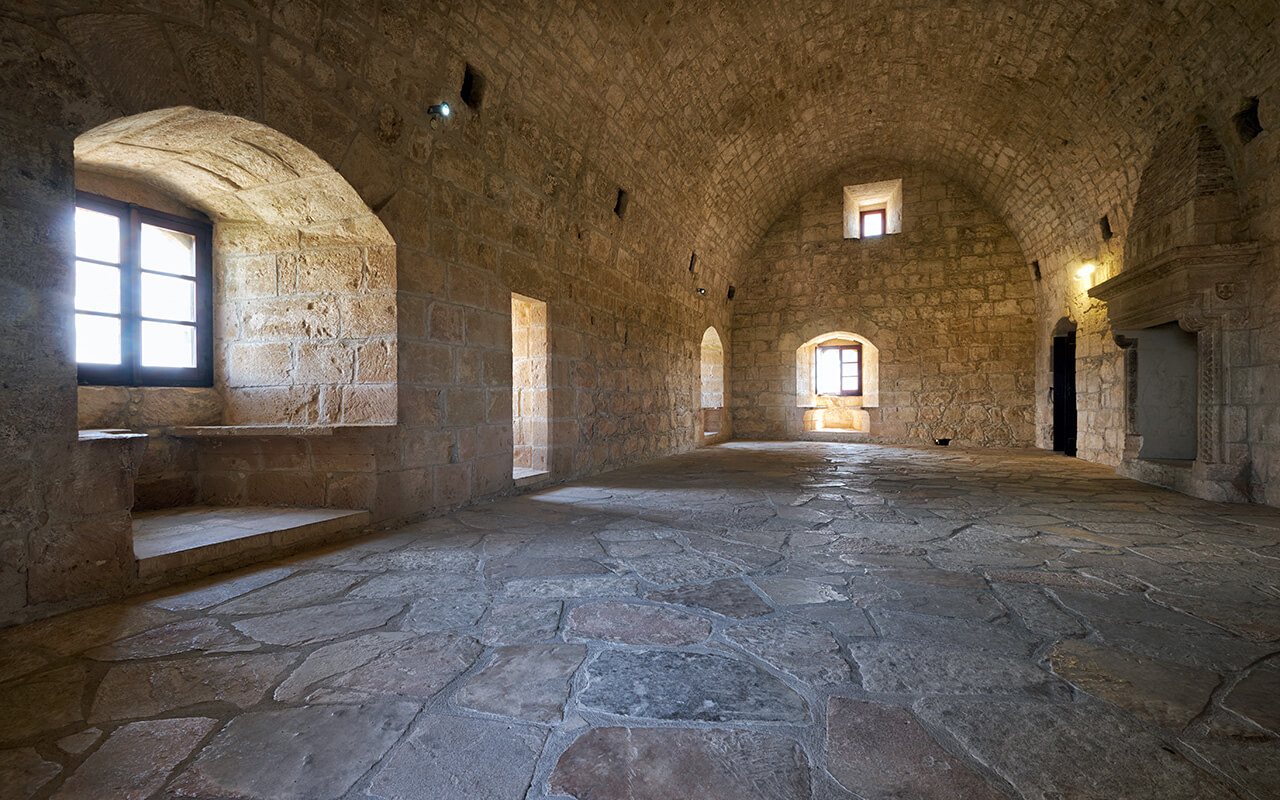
{"type": "Point", "coordinates": [942, 442]}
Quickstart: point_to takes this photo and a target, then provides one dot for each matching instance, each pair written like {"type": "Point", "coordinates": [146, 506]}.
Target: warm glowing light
{"type": "Point", "coordinates": [1085, 272]}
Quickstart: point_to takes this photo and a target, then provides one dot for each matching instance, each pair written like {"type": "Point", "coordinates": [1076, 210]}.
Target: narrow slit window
{"type": "Point", "coordinates": [873, 223]}
{"type": "Point", "coordinates": [144, 312]}
{"type": "Point", "coordinates": [838, 370]}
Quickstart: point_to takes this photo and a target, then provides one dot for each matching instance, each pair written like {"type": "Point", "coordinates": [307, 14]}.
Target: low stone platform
{"type": "Point", "coordinates": [174, 539]}
{"type": "Point", "coordinates": [751, 621]}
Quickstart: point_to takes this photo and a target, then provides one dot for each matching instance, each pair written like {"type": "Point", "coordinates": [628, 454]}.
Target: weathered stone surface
{"type": "Point", "coordinates": [147, 688]}
{"type": "Point", "coordinates": [1077, 750]}
{"type": "Point", "coordinates": [529, 682]}
{"type": "Point", "coordinates": [923, 669]}
{"type": "Point", "coordinates": [675, 569]}
{"type": "Point", "coordinates": [630, 623]}
{"type": "Point", "coordinates": [1131, 609]}
{"type": "Point", "coordinates": [41, 702]}
{"type": "Point", "coordinates": [203, 635]}
{"type": "Point", "coordinates": [879, 751]}
{"type": "Point", "coordinates": [799, 591]}
{"type": "Point", "coordinates": [1254, 765]}
{"type": "Point", "coordinates": [445, 612]}
{"type": "Point", "coordinates": [687, 686]}
{"type": "Point", "coordinates": [517, 567]}
{"type": "Point", "coordinates": [23, 772]}
{"type": "Point", "coordinates": [1217, 652]}
{"type": "Point", "coordinates": [1257, 696]}
{"type": "Point", "coordinates": [16, 661]}
{"type": "Point", "coordinates": [643, 547]}
{"type": "Point", "coordinates": [1167, 694]}
{"type": "Point", "coordinates": [924, 598]}
{"type": "Point", "coordinates": [337, 659]}
{"type": "Point", "coordinates": [1003, 636]}
{"type": "Point", "coordinates": [679, 763]}
{"type": "Point", "coordinates": [314, 753]}
{"type": "Point", "coordinates": [417, 669]}
{"type": "Point", "coordinates": [585, 586]}
{"type": "Point", "coordinates": [730, 598]}
{"type": "Point", "coordinates": [846, 619]}
{"type": "Point", "coordinates": [136, 760]}
{"type": "Point", "coordinates": [746, 556]}
{"type": "Point", "coordinates": [411, 584]}
{"type": "Point", "coordinates": [1038, 611]}
{"type": "Point", "coordinates": [81, 630]}
{"type": "Point", "coordinates": [521, 621]}
{"type": "Point", "coordinates": [313, 624]}
{"type": "Point", "coordinates": [427, 767]}
{"type": "Point", "coordinates": [793, 645]}
{"type": "Point", "coordinates": [423, 560]}
{"type": "Point", "coordinates": [219, 590]}
{"type": "Point", "coordinates": [293, 592]}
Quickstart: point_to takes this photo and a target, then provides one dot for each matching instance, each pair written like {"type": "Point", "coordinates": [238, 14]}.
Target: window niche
{"type": "Point", "coordinates": [873, 209]}
{"type": "Point", "coordinates": [712, 382]}
{"type": "Point", "coordinates": [530, 390]}
{"type": "Point", "coordinates": [837, 380]}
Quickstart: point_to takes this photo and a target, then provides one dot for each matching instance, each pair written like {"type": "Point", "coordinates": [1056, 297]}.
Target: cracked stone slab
{"type": "Point", "coordinates": [744, 555]}
{"type": "Point", "coordinates": [677, 569]}
{"type": "Point", "coordinates": [219, 590]}
{"type": "Point", "coordinates": [314, 624]}
{"type": "Point", "coordinates": [336, 659]}
{"type": "Point", "coordinates": [148, 688]}
{"type": "Point", "coordinates": [846, 619]}
{"type": "Point", "coordinates": [687, 686]}
{"type": "Point", "coordinates": [136, 759]}
{"type": "Point", "coordinates": [1167, 694]}
{"type": "Point", "coordinates": [800, 591]}
{"type": "Point", "coordinates": [644, 547]}
{"type": "Point", "coordinates": [632, 623]}
{"type": "Point", "coordinates": [521, 621]}
{"type": "Point", "coordinates": [23, 772]}
{"type": "Point", "coordinates": [880, 752]}
{"type": "Point", "coordinates": [1132, 609]}
{"type": "Point", "coordinates": [200, 635]}
{"type": "Point", "coordinates": [1217, 652]}
{"type": "Point", "coordinates": [529, 682]}
{"type": "Point", "coordinates": [1079, 750]}
{"type": "Point", "coordinates": [964, 634]}
{"type": "Point", "coordinates": [679, 763]}
{"type": "Point", "coordinates": [412, 585]}
{"type": "Point", "coordinates": [520, 567]}
{"type": "Point", "coordinates": [731, 598]}
{"type": "Point", "coordinates": [1257, 697]}
{"type": "Point", "coordinates": [422, 560]}
{"type": "Point", "coordinates": [80, 630]}
{"type": "Point", "coordinates": [905, 667]}
{"type": "Point", "coordinates": [313, 753]}
{"type": "Point", "coordinates": [417, 669]}
{"type": "Point", "coordinates": [1256, 618]}
{"type": "Point", "coordinates": [924, 598]}
{"type": "Point", "coordinates": [446, 612]}
{"type": "Point", "coordinates": [303, 589]}
{"type": "Point", "coordinates": [18, 661]}
{"type": "Point", "coordinates": [1038, 611]}
{"type": "Point", "coordinates": [42, 702]}
{"type": "Point", "coordinates": [1254, 765]}
{"type": "Point", "coordinates": [498, 759]}
{"type": "Point", "coordinates": [583, 586]}
{"type": "Point", "coordinates": [793, 645]}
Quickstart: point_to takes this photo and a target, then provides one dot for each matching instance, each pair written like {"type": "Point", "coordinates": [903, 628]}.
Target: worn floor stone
{"type": "Point", "coordinates": [679, 763]}
{"type": "Point", "coordinates": [1166, 694]}
{"type": "Point", "coordinates": [451, 758]}
{"type": "Point", "coordinates": [314, 753]}
{"type": "Point", "coordinates": [658, 684]}
{"type": "Point", "coordinates": [529, 682]}
{"type": "Point", "coordinates": [631, 623]}
{"type": "Point", "coordinates": [136, 760]}
{"type": "Point", "coordinates": [880, 752]}
{"type": "Point", "coordinates": [816, 591]}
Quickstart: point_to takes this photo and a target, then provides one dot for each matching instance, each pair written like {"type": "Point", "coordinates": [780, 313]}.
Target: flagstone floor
{"type": "Point", "coordinates": [798, 620]}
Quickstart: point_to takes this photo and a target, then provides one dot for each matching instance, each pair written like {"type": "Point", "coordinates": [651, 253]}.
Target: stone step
{"type": "Point", "coordinates": [182, 539]}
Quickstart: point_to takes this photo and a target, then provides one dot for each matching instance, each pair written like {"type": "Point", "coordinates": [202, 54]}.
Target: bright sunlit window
{"type": "Point", "coordinates": [143, 296]}
{"type": "Point", "coordinates": [873, 223]}
{"type": "Point", "coordinates": [838, 370]}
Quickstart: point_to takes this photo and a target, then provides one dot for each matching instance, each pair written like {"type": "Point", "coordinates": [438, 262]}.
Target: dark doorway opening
{"type": "Point", "coordinates": [1064, 393]}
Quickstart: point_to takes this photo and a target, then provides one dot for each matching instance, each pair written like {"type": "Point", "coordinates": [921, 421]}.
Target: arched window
{"type": "Point", "coordinates": [303, 273]}
{"type": "Point", "coordinates": [837, 379]}
{"type": "Point", "coordinates": [712, 382]}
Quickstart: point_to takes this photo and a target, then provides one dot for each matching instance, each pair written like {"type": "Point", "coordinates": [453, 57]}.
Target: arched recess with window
{"type": "Point", "coordinates": [712, 383]}
{"type": "Point", "coordinates": [300, 326]}
{"type": "Point", "coordinates": [837, 381]}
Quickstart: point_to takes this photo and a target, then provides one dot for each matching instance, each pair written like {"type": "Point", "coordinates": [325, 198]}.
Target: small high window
{"type": "Point", "coordinates": [838, 370]}
{"type": "Point", "coordinates": [872, 223]}
{"type": "Point", "coordinates": [144, 313]}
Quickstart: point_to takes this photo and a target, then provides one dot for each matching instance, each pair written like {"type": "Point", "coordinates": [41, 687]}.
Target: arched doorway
{"type": "Point", "coordinates": [1063, 389]}
{"type": "Point", "coordinates": [712, 382]}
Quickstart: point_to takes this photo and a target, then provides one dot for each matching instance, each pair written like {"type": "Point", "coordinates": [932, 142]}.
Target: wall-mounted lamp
{"type": "Point", "coordinates": [701, 290]}
{"type": "Point", "coordinates": [439, 111]}
{"type": "Point", "coordinates": [1085, 272]}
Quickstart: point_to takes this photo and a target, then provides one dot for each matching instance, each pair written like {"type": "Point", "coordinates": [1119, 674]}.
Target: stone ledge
{"type": "Point", "coordinates": [228, 431]}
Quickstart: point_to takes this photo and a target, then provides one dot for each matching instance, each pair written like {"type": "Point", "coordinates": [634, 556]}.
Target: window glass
{"type": "Point", "coordinates": [166, 345]}
{"type": "Point", "coordinates": [872, 223]}
{"type": "Point", "coordinates": [164, 297]}
{"type": "Point", "coordinates": [97, 339]}
{"type": "Point", "coordinates": [170, 251]}
{"type": "Point", "coordinates": [97, 287]}
{"type": "Point", "coordinates": [97, 235]}
{"type": "Point", "coordinates": [828, 361]}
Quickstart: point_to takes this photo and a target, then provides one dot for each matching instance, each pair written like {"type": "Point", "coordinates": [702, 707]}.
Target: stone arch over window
{"type": "Point", "coordinates": [304, 272]}
{"type": "Point", "coordinates": [834, 412]}
{"type": "Point", "coordinates": [712, 381]}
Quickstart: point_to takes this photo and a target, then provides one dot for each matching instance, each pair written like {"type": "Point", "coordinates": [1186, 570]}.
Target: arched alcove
{"type": "Point", "coordinates": [712, 382]}
{"type": "Point", "coordinates": [304, 315]}
{"type": "Point", "coordinates": [837, 408]}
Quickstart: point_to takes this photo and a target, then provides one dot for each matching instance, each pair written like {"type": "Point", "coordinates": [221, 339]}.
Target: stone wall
{"type": "Point", "coordinates": [947, 303]}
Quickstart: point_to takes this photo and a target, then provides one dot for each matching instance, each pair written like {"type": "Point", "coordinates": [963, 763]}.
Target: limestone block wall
{"type": "Point", "coordinates": [948, 303]}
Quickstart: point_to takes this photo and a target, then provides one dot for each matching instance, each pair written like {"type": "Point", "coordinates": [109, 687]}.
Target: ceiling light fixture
{"type": "Point", "coordinates": [439, 111]}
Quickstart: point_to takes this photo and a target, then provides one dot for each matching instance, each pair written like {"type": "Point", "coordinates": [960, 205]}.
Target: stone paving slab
{"type": "Point", "coordinates": [750, 620]}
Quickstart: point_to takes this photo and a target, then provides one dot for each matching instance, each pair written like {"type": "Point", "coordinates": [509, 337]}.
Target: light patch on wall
{"type": "Point", "coordinates": [882, 195]}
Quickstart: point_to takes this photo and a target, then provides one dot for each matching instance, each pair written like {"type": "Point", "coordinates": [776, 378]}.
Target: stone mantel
{"type": "Point", "coordinates": [1197, 279]}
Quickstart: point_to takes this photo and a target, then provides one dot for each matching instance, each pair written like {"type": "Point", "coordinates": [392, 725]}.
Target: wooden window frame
{"type": "Point", "coordinates": [873, 212]}
{"type": "Point", "coordinates": [845, 391]}
{"type": "Point", "coordinates": [130, 372]}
